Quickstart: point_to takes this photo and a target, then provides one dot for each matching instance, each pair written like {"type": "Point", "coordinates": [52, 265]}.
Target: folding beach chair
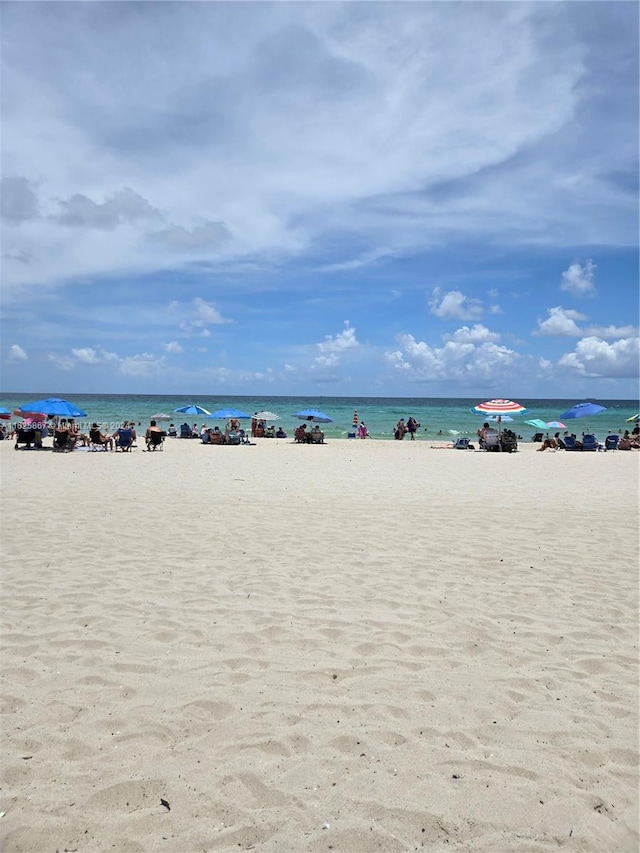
{"type": "Point", "coordinates": [463, 444]}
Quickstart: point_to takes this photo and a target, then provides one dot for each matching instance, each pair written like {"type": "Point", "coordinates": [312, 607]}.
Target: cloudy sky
{"type": "Point", "coordinates": [420, 199]}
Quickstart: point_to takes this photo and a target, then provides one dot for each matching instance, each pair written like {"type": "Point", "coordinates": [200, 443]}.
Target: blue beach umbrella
{"type": "Point", "coordinates": [229, 413]}
{"type": "Point", "coordinates": [537, 423]}
{"type": "Point", "coordinates": [5, 414]}
{"type": "Point", "coordinates": [313, 415]}
{"type": "Point", "coordinates": [582, 410]}
{"type": "Point", "coordinates": [54, 406]}
{"type": "Point", "coordinates": [192, 410]}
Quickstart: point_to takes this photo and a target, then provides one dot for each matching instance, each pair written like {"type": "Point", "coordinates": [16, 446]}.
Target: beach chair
{"type": "Point", "coordinates": [463, 444]}
{"type": "Point", "coordinates": [155, 441]}
{"type": "Point", "coordinates": [611, 442]}
{"type": "Point", "coordinates": [570, 443]}
{"type": "Point", "coordinates": [301, 435]}
{"type": "Point", "coordinates": [590, 442]}
{"type": "Point", "coordinates": [317, 437]}
{"type": "Point", "coordinates": [124, 440]}
{"type": "Point", "coordinates": [185, 431]}
{"type": "Point", "coordinates": [62, 441]}
{"type": "Point", "coordinates": [96, 442]}
{"type": "Point", "coordinates": [26, 437]}
{"type": "Point", "coordinates": [538, 437]}
{"type": "Point", "coordinates": [509, 443]}
{"type": "Point", "coordinates": [492, 440]}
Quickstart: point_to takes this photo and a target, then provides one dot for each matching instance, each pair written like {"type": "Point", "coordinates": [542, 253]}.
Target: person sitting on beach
{"type": "Point", "coordinates": [548, 444]}
{"type": "Point", "coordinates": [301, 434]}
{"type": "Point", "coordinates": [98, 437]}
{"type": "Point", "coordinates": [628, 442]}
{"type": "Point", "coordinates": [271, 432]}
{"type": "Point", "coordinates": [132, 427]}
{"type": "Point", "coordinates": [280, 433]}
{"type": "Point", "coordinates": [152, 431]}
{"type": "Point", "coordinates": [172, 431]}
{"type": "Point", "coordinates": [559, 442]}
{"type": "Point", "coordinates": [62, 437]}
{"type": "Point", "coordinates": [195, 432]}
{"type": "Point", "coordinates": [482, 432]}
{"type": "Point", "coordinates": [80, 437]}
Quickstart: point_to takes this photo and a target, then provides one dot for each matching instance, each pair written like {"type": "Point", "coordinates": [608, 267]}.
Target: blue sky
{"type": "Point", "coordinates": [420, 199]}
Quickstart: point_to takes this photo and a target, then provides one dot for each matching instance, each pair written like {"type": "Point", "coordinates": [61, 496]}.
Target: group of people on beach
{"type": "Point", "coordinates": [409, 428]}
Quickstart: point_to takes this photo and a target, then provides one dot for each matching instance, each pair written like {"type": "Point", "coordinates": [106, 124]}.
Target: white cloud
{"type": "Point", "coordinates": [64, 362]}
{"type": "Point", "coordinates": [206, 313]}
{"type": "Point", "coordinates": [173, 347]}
{"type": "Point", "coordinates": [142, 364]}
{"type": "Point", "coordinates": [235, 157]}
{"type": "Point", "coordinates": [594, 357]}
{"type": "Point", "coordinates": [579, 279]}
{"type": "Point", "coordinates": [16, 353]}
{"type": "Point", "coordinates": [122, 206]}
{"type": "Point", "coordinates": [612, 332]}
{"type": "Point", "coordinates": [476, 334]}
{"type": "Point", "coordinates": [209, 235]}
{"type": "Point", "coordinates": [561, 322]}
{"type": "Point", "coordinates": [87, 355]}
{"type": "Point", "coordinates": [455, 361]}
{"type": "Point", "coordinates": [343, 341]}
{"type": "Point", "coordinates": [197, 316]}
{"type": "Point", "coordinates": [454, 304]}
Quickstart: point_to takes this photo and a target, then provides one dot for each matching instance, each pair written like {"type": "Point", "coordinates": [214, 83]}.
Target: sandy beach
{"type": "Point", "coordinates": [357, 647]}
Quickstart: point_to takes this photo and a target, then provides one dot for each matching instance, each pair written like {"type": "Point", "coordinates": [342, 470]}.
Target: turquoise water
{"type": "Point", "coordinates": [440, 418]}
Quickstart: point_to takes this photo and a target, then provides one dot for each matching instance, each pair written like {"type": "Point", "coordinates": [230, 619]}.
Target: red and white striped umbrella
{"type": "Point", "coordinates": [499, 407]}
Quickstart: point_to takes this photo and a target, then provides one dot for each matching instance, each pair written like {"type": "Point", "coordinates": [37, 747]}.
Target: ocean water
{"type": "Point", "coordinates": [439, 418]}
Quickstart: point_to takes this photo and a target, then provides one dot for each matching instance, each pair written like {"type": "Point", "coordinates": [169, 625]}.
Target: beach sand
{"type": "Point", "coordinates": [357, 647]}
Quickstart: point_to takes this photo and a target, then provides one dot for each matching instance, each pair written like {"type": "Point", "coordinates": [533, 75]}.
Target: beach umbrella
{"type": "Point", "coordinates": [500, 418]}
{"type": "Point", "coordinates": [54, 406]}
{"type": "Point", "coordinates": [192, 410]}
{"type": "Point", "coordinates": [313, 415]}
{"type": "Point", "coordinates": [5, 414]}
{"type": "Point", "coordinates": [582, 410]}
{"type": "Point", "coordinates": [537, 423]}
{"type": "Point", "coordinates": [556, 425]}
{"type": "Point", "coordinates": [161, 416]}
{"type": "Point", "coordinates": [228, 413]}
{"type": "Point", "coordinates": [266, 416]}
{"type": "Point", "coordinates": [499, 407]}
{"type": "Point", "coordinates": [633, 419]}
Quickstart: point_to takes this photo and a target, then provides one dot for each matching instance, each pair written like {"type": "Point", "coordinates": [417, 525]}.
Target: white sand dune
{"type": "Point", "coordinates": [362, 646]}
